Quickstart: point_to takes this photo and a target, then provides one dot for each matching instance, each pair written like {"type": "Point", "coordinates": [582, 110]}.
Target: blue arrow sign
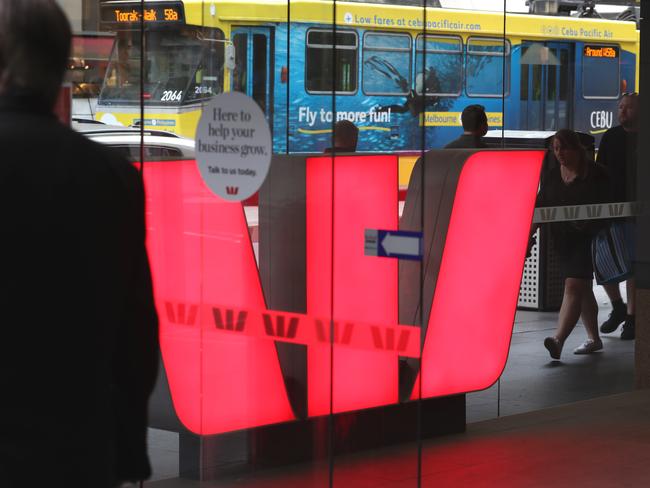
{"type": "Point", "coordinates": [400, 244]}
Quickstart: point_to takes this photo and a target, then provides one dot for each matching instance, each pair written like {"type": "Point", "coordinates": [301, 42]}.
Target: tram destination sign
{"type": "Point", "coordinates": [119, 13]}
{"type": "Point", "coordinates": [601, 52]}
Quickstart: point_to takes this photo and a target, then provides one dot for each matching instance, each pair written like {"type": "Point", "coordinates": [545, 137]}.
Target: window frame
{"type": "Point", "coordinates": [332, 47]}
{"type": "Point", "coordinates": [426, 51]}
{"type": "Point", "coordinates": [582, 71]}
{"type": "Point", "coordinates": [408, 50]}
{"type": "Point", "coordinates": [507, 59]}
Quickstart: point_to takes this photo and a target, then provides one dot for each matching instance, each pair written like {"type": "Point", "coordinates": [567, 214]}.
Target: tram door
{"type": "Point", "coordinates": [546, 80]}
{"type": "Point", "coordinates": [253, 71]}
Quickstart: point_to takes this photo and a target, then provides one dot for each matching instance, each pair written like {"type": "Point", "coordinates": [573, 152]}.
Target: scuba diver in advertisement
{"type": "Point", "coordinates": [416, 100]}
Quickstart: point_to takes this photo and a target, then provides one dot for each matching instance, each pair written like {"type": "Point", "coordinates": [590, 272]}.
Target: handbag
{"type": "Point", "coordinates": [610, 254]}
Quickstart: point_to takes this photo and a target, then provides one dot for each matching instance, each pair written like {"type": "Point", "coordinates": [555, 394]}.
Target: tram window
{"type": "Point", "coordinates": [564, 75]}
{"type": "Point", "coordinates": [537, 82]}
{"type": "Point", "coordinates": [88, 62]}
{"type": "Point", "coordinates": [484, 70]}
{"type": "Point", "coordinates": [260, 74]}
{"type": "Point", "coordinates": [171, 63]}
{"type": "Point", "coordinates": [523, 85]}
{"type": "Point", "coordinates": [239, 74]}
{"type": "Point", "coordinates": [386, 64]}
{"type": "Point", "coordinates": [320, 75]}
{"type": "Point", "coordinates": [551, 79]}
{"type": "Point", "coordinates": [600, 71]}
{"type": "Point", "coordinates": [208, 75]}
{"type": "Point", "coordinates": [441, 71]}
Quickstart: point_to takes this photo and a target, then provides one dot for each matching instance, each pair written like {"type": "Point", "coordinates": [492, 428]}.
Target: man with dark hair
{"type": "Point", "coordinates": [618, 153]}
{"type": "Point", "coordinates": [78, 355]}
{"type": "Point", "coordinates": [345, 137]}
{"type": "Point", "coordinates": [33, 58]}
{"type": "Point", "coordinates": [475, 126]}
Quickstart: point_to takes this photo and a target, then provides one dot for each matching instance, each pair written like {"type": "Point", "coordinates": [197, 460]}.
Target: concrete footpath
{"type": "Point", "coordinates": [604, 442]}
{"type": "Point", "coordinates": [574, 422]}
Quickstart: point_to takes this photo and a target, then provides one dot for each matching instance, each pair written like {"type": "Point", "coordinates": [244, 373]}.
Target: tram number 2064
{"type": "Point", "coordinates": [171, 96]}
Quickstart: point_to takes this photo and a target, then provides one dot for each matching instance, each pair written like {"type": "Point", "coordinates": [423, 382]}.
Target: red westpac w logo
{"type": "Point", "coordinates": [227, 363]}
{"type": "Point", "coordinates": [232, 190]}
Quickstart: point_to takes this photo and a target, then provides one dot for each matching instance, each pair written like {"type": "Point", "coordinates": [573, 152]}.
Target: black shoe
{"type": "Point", "coordinates": [554, 347]}
{"type": "Point", "coordinates": [627, 334]}
{"type": "Point", "coordinates": [616, 318]}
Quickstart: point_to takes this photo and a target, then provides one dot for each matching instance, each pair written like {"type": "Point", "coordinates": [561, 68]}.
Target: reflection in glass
{"type": "Point", "coordinates": [306, 75]}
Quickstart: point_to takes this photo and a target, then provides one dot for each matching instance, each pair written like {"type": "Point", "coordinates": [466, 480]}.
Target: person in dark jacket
{"type": "Point", "coordinates": [618, 153]}
{"type": "Point", "coordinates": [576, 181]}
{"type": "Point", "coordinates": [475, 126]}
{"type": "Point", "coordinates": [345, 137]}
{"type": "Point", "coordinates": [79, 353]}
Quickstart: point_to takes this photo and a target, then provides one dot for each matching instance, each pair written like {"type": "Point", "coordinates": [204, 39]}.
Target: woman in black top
{"type": "Point", "coordinates": [575, 181]}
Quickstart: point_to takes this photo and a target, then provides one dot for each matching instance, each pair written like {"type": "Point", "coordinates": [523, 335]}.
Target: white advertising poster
{"type": "Point", "coordinates": [233, 146]}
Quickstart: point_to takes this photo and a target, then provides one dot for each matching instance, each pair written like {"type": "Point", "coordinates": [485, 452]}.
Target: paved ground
{"type": "Point", "coordinates": [508, 448]}
{"type": "Point", "coordinates": [532, 380]}
{"type": "Point", "coordinates": [596, 443]}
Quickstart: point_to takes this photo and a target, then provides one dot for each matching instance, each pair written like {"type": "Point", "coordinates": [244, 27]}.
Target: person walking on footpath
{"type": "Point", "coordinates": [475, 126]}
{"type": "Point", "coordinates": [79, 348]}
{"type": "Point", "coordinates": [575, 181]}
{"type": "Point", "coordinates": [618, 153]}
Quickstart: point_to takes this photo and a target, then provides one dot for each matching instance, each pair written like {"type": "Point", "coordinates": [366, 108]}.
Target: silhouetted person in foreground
{"type": "Point", "coordinates": [78, 355]}
{"type": "Point", "coordinates": [475, 126]}
{"type": "Point", "coordinates": [345, 137]}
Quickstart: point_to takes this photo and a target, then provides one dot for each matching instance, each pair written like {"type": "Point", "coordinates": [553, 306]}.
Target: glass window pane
{"type": "Point", "coordinates": [564, 75]}
{"type": "Point", "coordinates": [240, 42]}
{"type": "Point", "coordinates": [551, 84]}
{"type": "Point", "coordinates": [88, 62]}
{"type": "Point", "coordinates": [173, 57]}
{"type": "Point", "coordinates": [386, 64]}
{"type": "Point", "coordinates": [325, 38]}
{"type": "Point", "coordinates": [208, 79]}
{"type": "Point", "coordinates": [441, 72]}
{"type": "Point", "coordinates": [524, 76]}
{"type": "Point", "coordinates": [440, 44]}
{"type": "Point", "coordinates": [260, 59]}
{"type": "Point", "coordinates": [537, 82]}
{"type": "Point", "coordinates": [485, 67]}
{"type": "Point", "coordinates": [387, 41]}
{"type": "Point", "coordinates": [321, 57]}
{"type": "Point", "coordinates": [494, 47]}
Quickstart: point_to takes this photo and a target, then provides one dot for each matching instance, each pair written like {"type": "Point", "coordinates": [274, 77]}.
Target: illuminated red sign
{"type": "Point", "coordinates": [218, 337]}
